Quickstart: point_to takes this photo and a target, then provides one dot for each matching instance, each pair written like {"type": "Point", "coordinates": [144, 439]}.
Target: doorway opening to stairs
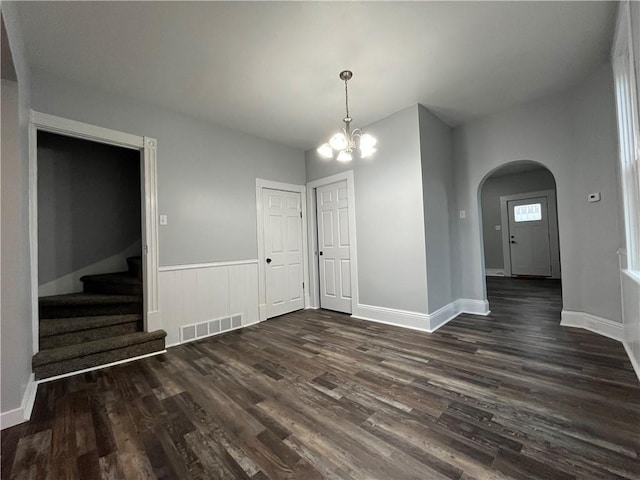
{"type": "Point", "coordinates": [93, 249]}
{"type": "Point", "coordinates": [520, 240]}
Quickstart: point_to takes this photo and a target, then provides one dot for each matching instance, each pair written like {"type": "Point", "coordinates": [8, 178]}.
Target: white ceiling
{"type": "Point", "coordinates": [271, 68]}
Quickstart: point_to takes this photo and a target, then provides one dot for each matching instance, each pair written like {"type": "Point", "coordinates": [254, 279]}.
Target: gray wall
{"type": "Point", "coordinates": [88, 203]}
{"type": "Point", "coordinates": [206, 173]}
{"type": "Point", "coordinates": [389, 214]}
{"type": "Point", "coordinates": [573, 134]}
{"type": "Point", "coordinates": [495, 187]}
{"type": "Point", "coordinates": [15, 323]}
{"type": "Point", "coordinates": [438, 191]}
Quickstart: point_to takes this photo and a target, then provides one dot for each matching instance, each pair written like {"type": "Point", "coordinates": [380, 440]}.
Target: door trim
{"type": "Point", "coordinates": [149, 188]}
{"type": "Point", "coordinates": [314, 279]}
{"type": "Point", "coordinates": [261, 184]}
{"type": "Point", "coordinates": [552, 217]}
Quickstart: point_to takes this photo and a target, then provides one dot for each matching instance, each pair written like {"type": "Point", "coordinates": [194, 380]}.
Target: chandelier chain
{"type": "Point", "coordinates": [346, 98]}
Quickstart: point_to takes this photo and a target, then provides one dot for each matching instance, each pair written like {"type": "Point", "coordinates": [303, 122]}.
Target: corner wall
{"type": "Point", "coordinates": [573, 134]}
{"type": "Point", "coordinates": [389, 219]}
{"type": "Point", "coordinates": [18, 388]}
{"type": "Point", "coordinates": [438, 192]}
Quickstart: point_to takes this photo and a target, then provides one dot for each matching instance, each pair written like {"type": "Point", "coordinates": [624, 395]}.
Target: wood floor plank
{"type": "Point", "coordinates": [316, 394]}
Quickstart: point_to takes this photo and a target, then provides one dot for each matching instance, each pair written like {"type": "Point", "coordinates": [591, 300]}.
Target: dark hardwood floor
{"type": "Point", "coordinates": [316, 394]}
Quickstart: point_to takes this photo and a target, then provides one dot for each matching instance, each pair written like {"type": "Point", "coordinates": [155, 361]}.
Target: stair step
{"type": "Point", "coordinates": [84, 336]}
{"type": "Point", "coordinates": [88, 305]}
{"type": "Point", "coordinates": [59, 326]}
{"type": "Point", "coordinates": [57, 361]}
{"type": "Point", "coordinates": [60, 332]}
{"type": "Point", "coordinates": [135, 266]}
{"type": "Point", "coordinates": [124, 283]}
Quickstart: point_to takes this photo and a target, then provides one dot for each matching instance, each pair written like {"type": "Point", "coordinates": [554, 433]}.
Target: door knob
{"type": "Point", "coordinates": [321, 252]}
{"type": "Point", "coordinates": [268, 260]}
{"type": "Point", "coordinates": [513, 241]}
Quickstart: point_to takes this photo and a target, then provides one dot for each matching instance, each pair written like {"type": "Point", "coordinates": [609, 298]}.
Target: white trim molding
{"type": "Point", "coordinates": [392, 316]}
{"type": "Point", "coordinates": [23, 412]}
{"type": "Point", "coordinates": [148, 185]}
{"type": "Point", "coordinates": [423, 322]}
{"type": "Point", "coordinates": [192, 266]}
{"type": "Point", "coordinates": [494, 272]}
{"type": "Point", "coordinates": [285, 187]}
{"type": "Point", "coordinates": [593, 323]}
{"type": "Point", "coordinates": [100, 367]}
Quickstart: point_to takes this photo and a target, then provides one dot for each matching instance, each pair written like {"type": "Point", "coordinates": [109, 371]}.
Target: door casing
{"type": "Point", "coordinates": [314, 279]}
{"type": "Point", "coordinates": [554, 244]}
{"type": "Point", "coordinates": [262, 271]}
{"type": "Point", "coordinates": [149, 189]}
{"type": "Point", "coordinates": [334, 253]}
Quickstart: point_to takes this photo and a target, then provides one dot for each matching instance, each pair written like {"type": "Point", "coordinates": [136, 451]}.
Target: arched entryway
{"type": "Point", "coordinates": [519, 238]}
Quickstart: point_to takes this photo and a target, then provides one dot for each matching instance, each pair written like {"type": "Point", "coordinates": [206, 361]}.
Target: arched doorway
{"type": "Point", "coordinates": [519, 232]}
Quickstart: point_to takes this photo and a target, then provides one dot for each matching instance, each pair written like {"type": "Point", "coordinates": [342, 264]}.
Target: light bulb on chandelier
{"type": "Point", "coordinates": [347, 140]}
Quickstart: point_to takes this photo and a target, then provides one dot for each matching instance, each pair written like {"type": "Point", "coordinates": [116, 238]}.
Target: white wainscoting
{"type": "Point", "coordinates": [424, 322]}
{"type": "Point", "coordinates": [192, 294]}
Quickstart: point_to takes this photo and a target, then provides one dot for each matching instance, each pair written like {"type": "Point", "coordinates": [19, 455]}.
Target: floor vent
{"type": "Point", "coordinates": [210, 327]}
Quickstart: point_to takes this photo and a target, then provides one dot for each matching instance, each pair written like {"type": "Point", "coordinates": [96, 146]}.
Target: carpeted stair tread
{"type": "Point", "coordinates": [98, 359]}
{"type": "Point", "coordinates": [118, 277]}
{"type": "Point", "coordinates": [58, 326]}
{"type": "Point", "coordinates": [70, 299]}
{"type": "Point", "coordinates": [71, 352]}
{"type": "Point", "coordinates": [89, 305]}
{"type": "Point", "coordinates": [84, 336]}
{"type": "Point", "coordinates": [119, 283]}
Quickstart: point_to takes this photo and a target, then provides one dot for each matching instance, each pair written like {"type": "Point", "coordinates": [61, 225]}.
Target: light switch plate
{"type": "Point", "coordinates": [463, 214]}
{"type": "Point", "coordinates": [594, 197]}
{"type": "Point", "coordinates": [498, 227]}
{"type": "Point", "coordinates": [163, 220]}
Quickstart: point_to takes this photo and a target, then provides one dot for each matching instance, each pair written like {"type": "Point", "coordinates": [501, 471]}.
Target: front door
{"type": "Point", "coordinates": [529, 237]}
{"type": "Point", "coordinates": [283, 251]}
{"type": "Point", "coordinates": [334, 262]}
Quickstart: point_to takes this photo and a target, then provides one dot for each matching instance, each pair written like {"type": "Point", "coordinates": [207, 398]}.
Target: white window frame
{"type": "Point", "coordinates": [628, 134]}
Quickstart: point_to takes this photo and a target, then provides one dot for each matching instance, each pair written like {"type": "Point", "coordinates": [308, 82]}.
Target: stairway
{"type": "Point", "coordinates": [100, 325]}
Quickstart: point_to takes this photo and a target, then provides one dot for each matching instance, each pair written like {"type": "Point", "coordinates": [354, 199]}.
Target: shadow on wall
{"type": "Point", "coordinates": [536, 252]}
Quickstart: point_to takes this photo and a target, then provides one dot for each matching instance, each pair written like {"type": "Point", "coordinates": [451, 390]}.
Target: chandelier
{"type": "Point", "coordinates": [346, 140]}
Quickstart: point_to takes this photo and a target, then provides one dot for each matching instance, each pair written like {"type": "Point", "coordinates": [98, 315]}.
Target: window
{"type": "Point", "coordinates": [628, 133]}
{"type": "Point", "coordinates": [527, 213]}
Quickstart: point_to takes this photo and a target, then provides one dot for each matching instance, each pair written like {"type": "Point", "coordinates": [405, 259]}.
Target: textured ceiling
{"type": "Point", "coordinates": [271, 68]}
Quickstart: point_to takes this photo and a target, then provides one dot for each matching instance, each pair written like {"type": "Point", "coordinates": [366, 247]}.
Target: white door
{"type": "Point", "coordinates": [334, 262]}
{"type": "Point", "coordinates": [529, 237]}
{"type": "Point", "coordinates": [283, 251]}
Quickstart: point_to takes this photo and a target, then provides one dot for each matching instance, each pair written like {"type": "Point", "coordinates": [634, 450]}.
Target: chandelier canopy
{"type": "Point", "coordinates": [343, 143]}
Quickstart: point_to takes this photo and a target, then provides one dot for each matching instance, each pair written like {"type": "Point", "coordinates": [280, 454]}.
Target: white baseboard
{"type": "Point", "coordinates": [635, 362]}
{"type": "Point", "coordinates": [392, 316]}
{"type": "Point", "coordinates": [593, 323]}
{"type": "Point", "coordinates": [494, 272]}
{"type": "Point", "coordinates": [22, 413]}
{"type": "Point", "coordinates": [473, 307]}
{"type": "Point", "coordinates": [424, 322]}
{"type": "Point", "coordinates": [442, 316]}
